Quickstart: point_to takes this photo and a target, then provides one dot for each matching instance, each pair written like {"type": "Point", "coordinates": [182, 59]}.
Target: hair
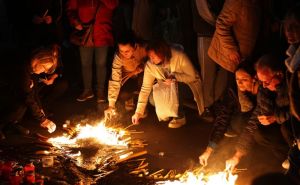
{"type": "Point", "coordinates": [127, 37]}
{"type": "Point", "coordinates": [248, 67]}
{"type": "Point", "coordinates": [293, 12]}
{"type": "Point", "coordinates": [161, 48]}
{"type": "Point", "coordinates": [271, 62]}
{"type": "Point", "coordinates": [44, 54]}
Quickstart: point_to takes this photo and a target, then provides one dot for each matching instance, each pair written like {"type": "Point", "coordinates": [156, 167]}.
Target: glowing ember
{"type": "Point", "coordinates": [100, 133]}
{"type": "Point", "coordinates": [190, 178]}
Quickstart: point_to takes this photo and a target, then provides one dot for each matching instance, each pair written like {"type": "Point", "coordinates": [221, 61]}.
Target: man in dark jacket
{"type": "Point", "coordinates": [267, 123]}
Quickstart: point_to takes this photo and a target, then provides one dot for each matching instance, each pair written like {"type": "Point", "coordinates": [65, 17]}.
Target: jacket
{"type": "Point", "coordinates": [99, 12]}
{"type": "Point", "coordinates": [293, 79]}
{"type": "Point", "coordinates": [122, 69]}
{"type": "Point", "coordinates": [183, 70]}
{"type": "Point", "coordinates": [268, 103]}
{"type": "Point", "coordinates": [237, 29]}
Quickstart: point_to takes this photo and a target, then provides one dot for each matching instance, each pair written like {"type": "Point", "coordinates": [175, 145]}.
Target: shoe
{"type": "Point", "coordinates": [101, 97]}
{"type": "Point", "coordinates": [230, 133]}
{"type": "Point", "coordinates": [85, 95]}
{"type": "Point", "coordinates": [177, 122]}
{"type": "Point", "coordinates": [129, 105]}
{"type": "Point", "coordinates": [20, 129]}
{"type": "Point", "coordinates": [286, 164]}
{"type": "Point", "coordinates": [207, 115]}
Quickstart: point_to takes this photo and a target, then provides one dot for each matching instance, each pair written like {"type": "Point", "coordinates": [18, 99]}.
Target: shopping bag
{"type": "Point", "coordinates": [166, 100]}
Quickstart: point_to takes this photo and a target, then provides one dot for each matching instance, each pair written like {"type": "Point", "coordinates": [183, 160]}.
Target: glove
{"type": "Point", "coordinates": [49, 125]}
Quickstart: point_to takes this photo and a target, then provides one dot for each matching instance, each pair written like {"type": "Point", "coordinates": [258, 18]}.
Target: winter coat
{"type": "Point", "coordinates": [183, 70]}
{"type": "Point", "coordinates": [225, 109]}
{"type": "Point", "coordinates": [268, 103]}
{"type": "Point", "coordinates": [237, 29]}
{"type": "Point", "coordinates": [293, 79]}
{"type": "Point", "coordinates": [123, 69]}
{"type": "Point", "coordinates": [27, 93]}
{"type": "Point", "coordinates": [98, 12]}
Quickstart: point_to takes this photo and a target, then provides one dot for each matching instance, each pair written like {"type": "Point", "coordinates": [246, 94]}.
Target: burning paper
{"type": "Point", "coordinates": [94, 147]}
{"type": "Point", "coordinates": [192, 178]}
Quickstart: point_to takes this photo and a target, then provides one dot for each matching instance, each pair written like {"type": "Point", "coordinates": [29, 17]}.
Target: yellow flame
{"type": "Point", "coordinates": [101, 133]}
{"type": "Point", "coordinates": [221, 178]}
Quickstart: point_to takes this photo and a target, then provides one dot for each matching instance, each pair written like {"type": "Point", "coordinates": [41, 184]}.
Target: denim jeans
{"type": "Point", "coordinates": [87, 55]}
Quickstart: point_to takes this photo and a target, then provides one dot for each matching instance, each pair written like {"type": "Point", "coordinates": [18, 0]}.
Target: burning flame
{"type": "Point", "coordinates": [100, 133]}
{"type": "Point", "coordinates": [190, 178]}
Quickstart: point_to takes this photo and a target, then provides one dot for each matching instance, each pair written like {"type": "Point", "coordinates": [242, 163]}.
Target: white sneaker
{"type": "Point", "coordinates": [177, 122]}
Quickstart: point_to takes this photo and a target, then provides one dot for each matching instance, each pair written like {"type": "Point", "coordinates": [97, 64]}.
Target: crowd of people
{"type": "Point", "coordinates": [246, 75]}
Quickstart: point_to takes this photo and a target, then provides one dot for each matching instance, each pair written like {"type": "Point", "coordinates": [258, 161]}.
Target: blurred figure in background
{"type": "Point", "coordinates": [99, 13]}
{"type": "Point", "coordinates": [43, 62]}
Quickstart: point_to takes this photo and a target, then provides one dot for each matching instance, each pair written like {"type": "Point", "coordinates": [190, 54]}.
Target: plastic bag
{"type": "Point", "coordinates": [166, 100]}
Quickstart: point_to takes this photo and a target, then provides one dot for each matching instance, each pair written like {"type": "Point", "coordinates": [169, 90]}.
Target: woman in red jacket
{"type": "Point", "coordinates": [99, 13]}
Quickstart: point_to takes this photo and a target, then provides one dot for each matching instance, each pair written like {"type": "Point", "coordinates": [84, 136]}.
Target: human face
{"type": "Point", "coordinates": [154, 58]}
{"type": "Point", "coordinates": [126, 50]}
{"type": "Point", "coordinates": [292, 30]}
{"type": "Point", "coordinates": [268, 78]}
{"type": "Point", "coordinates": [243, 80]}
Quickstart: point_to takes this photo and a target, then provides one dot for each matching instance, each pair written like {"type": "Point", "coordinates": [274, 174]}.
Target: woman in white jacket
{"type": "Point", "coordinates": [168, 64]}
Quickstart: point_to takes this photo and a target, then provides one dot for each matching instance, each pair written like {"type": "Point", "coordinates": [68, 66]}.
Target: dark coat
{"type": "Point", "coordinates": [268, 103]}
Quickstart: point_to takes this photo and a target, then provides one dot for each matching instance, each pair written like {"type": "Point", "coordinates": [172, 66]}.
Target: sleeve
{"type": "Point", "coordinates": [114, 84]}
{"type": "Point", "coordinates": [246, 138]}
{"type": "Point", "coordinates": [30, 97]}
{"type": "Point", "coordinates": [187, 71]}
{"type": "Point", "coordinates": [264, 107]}
{"type": "Point", "coordinates": [146, 89]}
{"type": "Point", "coordinates": [295, 95]}
{"type": "Point", "coordinates": [224, 110]}
{"type": "Point", "coordinates": [225, 22]}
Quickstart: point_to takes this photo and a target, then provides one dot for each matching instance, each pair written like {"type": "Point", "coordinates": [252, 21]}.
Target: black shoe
{"type": "Point", "coordinates": [20, 129]}
{"type": "Point", "coordinates": [207, 115]}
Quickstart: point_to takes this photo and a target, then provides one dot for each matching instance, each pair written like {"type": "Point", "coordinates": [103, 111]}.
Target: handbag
{"type": "Point", "coordinates": [166, 100]}
{"type": "Point", "coordinates": [83, 37]}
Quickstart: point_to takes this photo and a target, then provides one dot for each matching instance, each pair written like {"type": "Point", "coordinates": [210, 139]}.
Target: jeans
{"type": "Point", "coordinates": [87, 55]}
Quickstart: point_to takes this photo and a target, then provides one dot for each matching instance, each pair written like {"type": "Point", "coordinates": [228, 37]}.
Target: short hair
{"type": "Point", "coordinates": [248, 67]}
{"type": "Point", "coordinates": [161, 48]}
{"type": "Point", "coordinates": [293, 12]}
{"type": "Point", "coordinates": [127, 37]}
{"type": "Point", "coordinates": [270, 61]}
